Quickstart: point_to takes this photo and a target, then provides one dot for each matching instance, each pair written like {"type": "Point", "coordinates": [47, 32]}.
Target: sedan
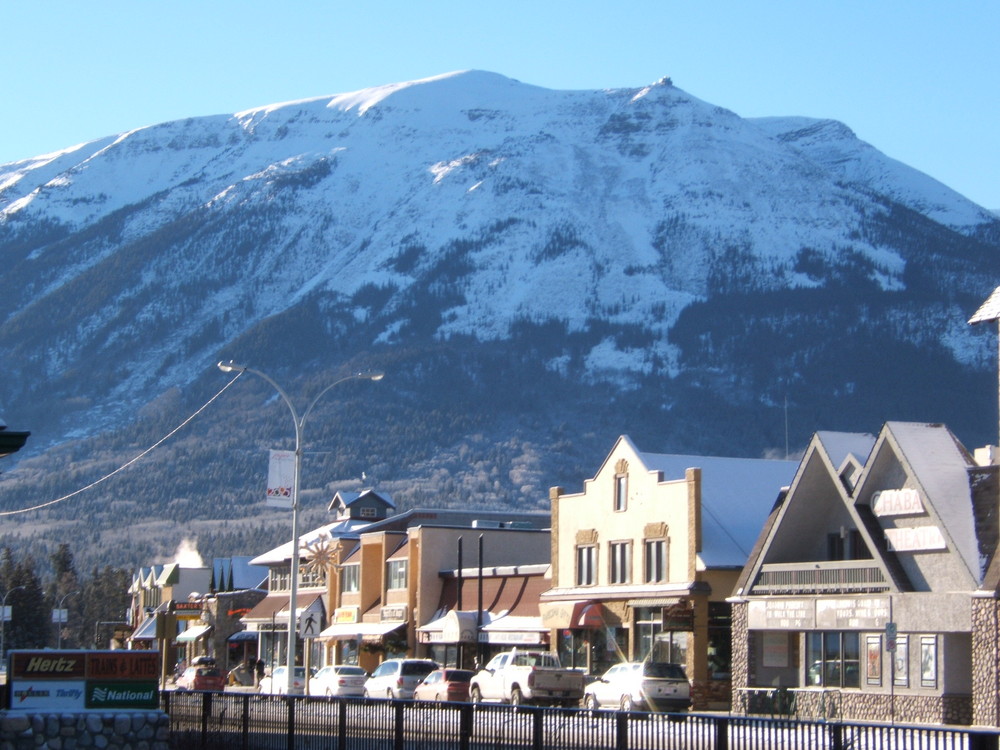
{"type": "Point", "coordinates": [444, 685]}
{"type": "Point", "coordinates": [338, 680]}
{"type": "Point", "coordinates": [277, 682]}
{"type": "Point", "coordinates": [640, 686]}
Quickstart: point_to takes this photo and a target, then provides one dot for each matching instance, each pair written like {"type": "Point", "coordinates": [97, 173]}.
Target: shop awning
{"type": "Point", "coordinates": [453, 627]}
{"type": "Point", "coordinates": [193, 634]}
{"type": "Point", "coordinates": [267, 609]}
{"type": "Point", "coordinates": [146, 631]}
{"type": "Point", "coordinates": [516, 630]}
{"type": "Point", "coordinates": [572, 614]}
{"type": "Point", "coordinates": [242, 636]}
{"type": "Point", "coordinates": [654, 602]}
{"type": "Point", "coordinates": [359, 629]}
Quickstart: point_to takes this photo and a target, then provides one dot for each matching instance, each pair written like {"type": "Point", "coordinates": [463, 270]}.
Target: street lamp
{"type": "Point", "coordinates": [3, 623]}
{"type": "Point", "coordinates": [299, 424]}
{"type": "Point", "coordinates": [63, 615]}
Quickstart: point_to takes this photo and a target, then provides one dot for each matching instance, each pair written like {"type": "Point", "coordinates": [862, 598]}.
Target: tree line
{"type": "Point", "coordinates": [93, 601]}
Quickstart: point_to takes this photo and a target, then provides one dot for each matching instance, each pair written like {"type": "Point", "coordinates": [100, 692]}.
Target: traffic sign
{"type": "Point", "coordinates": [890, 636]}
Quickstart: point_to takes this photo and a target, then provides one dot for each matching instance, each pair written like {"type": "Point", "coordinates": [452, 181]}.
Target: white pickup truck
{"type": "Point", "coordinates": [520, 676]}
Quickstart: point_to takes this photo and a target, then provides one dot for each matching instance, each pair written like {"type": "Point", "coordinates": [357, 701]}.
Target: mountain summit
{"type": "Point", "coordinates": [537, 271]}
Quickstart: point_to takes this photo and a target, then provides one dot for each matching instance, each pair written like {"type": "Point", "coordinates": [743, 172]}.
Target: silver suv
{"type": "Point", "coordinates": [396, 678]}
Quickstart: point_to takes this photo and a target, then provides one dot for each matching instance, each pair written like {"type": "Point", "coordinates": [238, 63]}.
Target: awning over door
{"type": "Point", "coordinates": [359, 629]}
{"type": "Point", "coordinates": [192, 634]}
{"type": "Point", "coordinates": [453, 627]}
{"type": "Point", "coordinates": [573, 614]}
{"type": "Point", "coordinates": [146, 631]}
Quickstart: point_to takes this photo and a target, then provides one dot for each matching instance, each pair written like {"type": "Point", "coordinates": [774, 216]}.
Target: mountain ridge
{"type": "Point", "coordinates": [537, 272]}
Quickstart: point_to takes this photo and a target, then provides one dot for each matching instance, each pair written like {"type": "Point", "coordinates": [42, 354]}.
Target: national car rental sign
{"type": "Point", "coordinates": [77, 680]}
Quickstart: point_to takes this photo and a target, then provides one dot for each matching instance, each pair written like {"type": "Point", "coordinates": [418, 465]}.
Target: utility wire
{"type": "Point", "coordinates": [124, 466]}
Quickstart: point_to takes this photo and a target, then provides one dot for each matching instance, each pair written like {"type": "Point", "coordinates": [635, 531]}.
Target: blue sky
{"type": "Point", "coordinates": [916, 79]}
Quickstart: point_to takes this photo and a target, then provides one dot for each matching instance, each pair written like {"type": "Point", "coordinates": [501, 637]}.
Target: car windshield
{"type": "Point", "coordinates": [662, 669]}
{"type": "Point", "coordinates": [458, 675]}
{"type": "Point", "coordinates": [422, 669]}
{"type": "Point", "coordinates": [209, 672]}
{"type": "Point", "coordinates": [350, 670]}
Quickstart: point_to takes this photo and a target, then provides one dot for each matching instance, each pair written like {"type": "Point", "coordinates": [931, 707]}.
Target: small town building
{"type": "Point", "coordinates": [645, 557]}
{"type": "Point", "coordinates": [871, 593]}
{"type": "Point", "coordinates": [269, 619]}
{"type": "Point", "coordinates": [389, 592]}
{"type": "Point", "coordinates": [363, 579]}
{"type": "Point", "coordinates": [483, 611]}
{"type": "Point", "coordinates": [195, 611]}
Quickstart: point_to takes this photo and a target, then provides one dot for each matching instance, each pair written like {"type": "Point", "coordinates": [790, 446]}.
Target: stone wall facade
{"type": "Point", "coordinates": [741, 666]}
{"type": "Point", "coordinates": [132, 730]}
{"type": "Point", "coordinates": [711, 695]}
{"type": "Point", "coordinates": [881, 707]}
{"type": "Point", "coordinates": [985, 662]}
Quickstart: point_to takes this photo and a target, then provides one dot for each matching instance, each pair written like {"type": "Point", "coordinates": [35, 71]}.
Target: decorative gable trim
{"type": "Point", "coordinates": [586, 536]}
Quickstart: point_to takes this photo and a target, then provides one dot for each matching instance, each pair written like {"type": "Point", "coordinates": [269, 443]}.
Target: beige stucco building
{"type": "Point", "coordinates": [644, 558]}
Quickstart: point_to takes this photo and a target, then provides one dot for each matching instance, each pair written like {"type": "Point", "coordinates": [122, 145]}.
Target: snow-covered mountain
{"type": "Point", "coordinates": [635, 260]}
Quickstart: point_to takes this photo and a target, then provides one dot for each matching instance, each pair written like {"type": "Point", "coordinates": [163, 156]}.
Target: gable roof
{"type": "Point", "coordinates": [828, 453]}
{"type": "Point", "coordinates": [346, 498]}
{"type": "Point", "coordinates": [736, 496]}
{"type": "Point", "coordinates": [932, 461]}
{"type": "Point", "coordinates": [842, 447]}
{"type": "Point", "coordinates": [939, 465]}
{"type": "Point", "coordinates": [283, 553]}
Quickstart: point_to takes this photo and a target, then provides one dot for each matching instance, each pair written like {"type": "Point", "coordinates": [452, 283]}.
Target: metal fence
{"type": "Point", "coordinates": [242, 721]}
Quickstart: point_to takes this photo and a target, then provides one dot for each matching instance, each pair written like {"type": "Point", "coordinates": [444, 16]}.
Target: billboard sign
{"type": "Point", "coordinates": [77, 680]}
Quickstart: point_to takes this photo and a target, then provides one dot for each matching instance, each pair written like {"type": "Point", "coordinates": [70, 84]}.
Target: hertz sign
{"type": "Point", "coordinates": [74, 680]}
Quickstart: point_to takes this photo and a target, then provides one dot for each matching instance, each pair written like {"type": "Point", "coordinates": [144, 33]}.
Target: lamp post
{"type": "Point", "coordinates": [3, 623]}
{"type": "Point", "coordinates": [299, 423]}
{"type": "Point", "coordinates": [63, 615]}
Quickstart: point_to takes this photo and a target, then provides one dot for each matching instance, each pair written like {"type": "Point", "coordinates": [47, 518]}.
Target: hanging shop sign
{"type": "Point", "coordinates": [679, 616]}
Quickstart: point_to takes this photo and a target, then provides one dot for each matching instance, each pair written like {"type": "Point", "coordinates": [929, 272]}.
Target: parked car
{"type": "Point", "coordinates": [205, 677]}
{"type": "Point", "coordinates": [640, 686]}
{"type": "Point", "coordinates": [276, 683]}
{"type": "Point", "coordinates": [396, 678]}
{"type": "Point", "coordinates": [338, 680]}
{"type": "Point", "coordinates": [444, 685]}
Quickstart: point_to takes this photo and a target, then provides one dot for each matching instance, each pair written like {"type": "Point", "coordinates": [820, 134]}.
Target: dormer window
{"type": "Point", "coordinates": [367, 513]}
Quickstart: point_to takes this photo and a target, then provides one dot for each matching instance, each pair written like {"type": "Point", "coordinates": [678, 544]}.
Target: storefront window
{"type": "Point", "coordinates": [648, 624]}
{"type": "Point", "coordinates": [833, 659]}
{"type": "Point", "coordinates": [608, 646]}
{"type": "Point", "coordinates": [670, 647]}
{"type": "Point", "coordinates": [347, 652]}
{"type": "Point", "coordinates": [572, 649]}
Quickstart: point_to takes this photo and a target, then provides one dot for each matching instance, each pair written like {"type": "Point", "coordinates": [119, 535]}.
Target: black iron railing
{"type": "Point", "coordinates": [242, 721]}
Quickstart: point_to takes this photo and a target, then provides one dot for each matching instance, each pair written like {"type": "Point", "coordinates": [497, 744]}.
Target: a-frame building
{"type": "Point", "coordinates": [858, 598]}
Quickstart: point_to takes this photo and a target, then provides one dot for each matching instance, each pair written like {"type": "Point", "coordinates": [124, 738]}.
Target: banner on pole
{"type": "Point", "coordinates": [280, 478]}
